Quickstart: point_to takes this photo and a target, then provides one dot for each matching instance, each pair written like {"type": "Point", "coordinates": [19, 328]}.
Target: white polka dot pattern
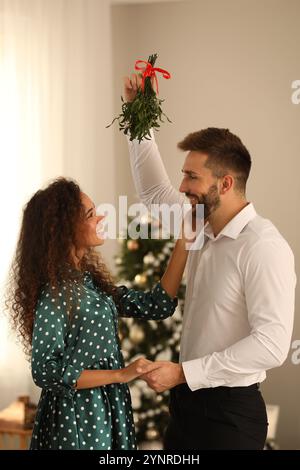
{"type": "Point", "coordinates": [98, 418]}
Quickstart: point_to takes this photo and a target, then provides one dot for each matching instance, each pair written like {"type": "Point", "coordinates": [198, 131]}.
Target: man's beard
{"type": "Point", "coordinates": [211, 200]}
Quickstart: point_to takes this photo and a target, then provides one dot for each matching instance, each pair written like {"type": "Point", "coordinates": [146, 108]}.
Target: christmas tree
{"type": "Point", "coordinates": [141, 264]}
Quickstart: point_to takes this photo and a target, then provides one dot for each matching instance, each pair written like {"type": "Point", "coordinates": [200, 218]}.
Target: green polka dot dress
{"type": "Point", "coordinates": [99, 418]}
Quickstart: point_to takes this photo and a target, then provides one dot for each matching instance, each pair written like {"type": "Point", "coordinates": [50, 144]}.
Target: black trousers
{"type": "Point", "coordinates": [216, 418]}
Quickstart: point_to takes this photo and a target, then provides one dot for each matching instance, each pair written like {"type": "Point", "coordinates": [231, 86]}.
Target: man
{"type": "Point", "coordinates": [239, 305]}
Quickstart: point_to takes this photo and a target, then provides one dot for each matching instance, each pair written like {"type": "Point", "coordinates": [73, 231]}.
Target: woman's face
{"type": "Point", "coordinates": [91, 225]}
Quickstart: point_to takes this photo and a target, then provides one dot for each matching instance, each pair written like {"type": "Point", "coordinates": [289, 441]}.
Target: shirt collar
{"type": "Point", "coordinates": [235, 225]}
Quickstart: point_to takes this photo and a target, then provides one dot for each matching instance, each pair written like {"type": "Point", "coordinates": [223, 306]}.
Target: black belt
{"type": "Point", "coordinates": [184, 387]}
{"type": "Point", "coordinates": [247, 387]}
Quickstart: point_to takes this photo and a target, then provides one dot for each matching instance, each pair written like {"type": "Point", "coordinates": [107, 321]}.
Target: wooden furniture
{"type": "Point", "coordinates": [16, 423]}
{"type": "Point", "coordinates": [13, 435]}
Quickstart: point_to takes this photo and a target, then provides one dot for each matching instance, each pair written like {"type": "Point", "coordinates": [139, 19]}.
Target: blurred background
{"type": "Point", "coordinates": [232, 63]}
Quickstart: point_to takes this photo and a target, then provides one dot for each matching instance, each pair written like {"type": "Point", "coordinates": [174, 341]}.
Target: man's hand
{"type": "Point", "coordinates": [131, 371]}
{"type": "Point", "coordinates": [131, 86]}
{"type": "Point", "coordinates": [162, 375]}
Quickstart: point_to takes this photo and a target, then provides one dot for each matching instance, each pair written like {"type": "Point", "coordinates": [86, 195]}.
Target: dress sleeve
{"type": "Point", "coordinates": [153, 305]}
{"type": "Point", "coordinates": [49, 362]}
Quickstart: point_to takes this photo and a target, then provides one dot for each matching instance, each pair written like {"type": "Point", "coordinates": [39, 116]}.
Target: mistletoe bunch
{"type": "Point", "coordinates": [144, 112]}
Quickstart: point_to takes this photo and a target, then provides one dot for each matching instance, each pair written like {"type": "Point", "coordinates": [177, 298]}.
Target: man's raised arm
{"type": "Point", "coordinates": [149, 174]}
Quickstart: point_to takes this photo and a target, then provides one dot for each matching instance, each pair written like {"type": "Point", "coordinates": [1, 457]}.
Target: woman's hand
{"type": "Point", "coordinates": [130, 372]}
{"type": "Point", "coordinates": [188, 229]}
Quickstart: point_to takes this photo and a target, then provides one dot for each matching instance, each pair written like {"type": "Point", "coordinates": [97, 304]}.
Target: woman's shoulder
{"type": "Point", "coordinates": [56, 296]}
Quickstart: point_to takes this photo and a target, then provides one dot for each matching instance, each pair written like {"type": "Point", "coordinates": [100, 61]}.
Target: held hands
{"type": "Point", "coordinates": [162, 375]}
{"type": "Point", "coordinates": [135, 369]}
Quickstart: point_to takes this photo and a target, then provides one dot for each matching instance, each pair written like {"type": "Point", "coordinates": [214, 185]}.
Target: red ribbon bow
{"type": "Point", "coordinates": [149, 71]}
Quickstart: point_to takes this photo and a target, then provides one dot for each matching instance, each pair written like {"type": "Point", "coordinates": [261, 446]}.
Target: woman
{"type": "Point", "coordinates": [65, 307]}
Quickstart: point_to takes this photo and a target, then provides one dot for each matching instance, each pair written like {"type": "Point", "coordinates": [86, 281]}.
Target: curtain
{"type": "Point", "coordinates": [31, 71]}
{"type": "Point", "coordinates": [55, 100]}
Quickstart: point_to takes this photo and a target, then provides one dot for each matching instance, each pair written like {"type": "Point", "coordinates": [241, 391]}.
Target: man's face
{"type": "Point", "coordinates": [199, 184]}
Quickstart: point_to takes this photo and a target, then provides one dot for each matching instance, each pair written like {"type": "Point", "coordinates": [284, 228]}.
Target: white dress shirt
{"type": "Point", "coordinates": [239, 305]}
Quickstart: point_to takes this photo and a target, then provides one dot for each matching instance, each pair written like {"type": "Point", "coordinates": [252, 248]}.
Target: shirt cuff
{"type": "Point", "coordinates": [195, 375]}
{"type": "Point", "coordinates": [135, 141]}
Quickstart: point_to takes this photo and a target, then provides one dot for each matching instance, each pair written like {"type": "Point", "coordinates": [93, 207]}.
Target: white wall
{"type": "Point", "coordinates": [88, 99]}
{"type": "Point", "coordinates": [232, 64]}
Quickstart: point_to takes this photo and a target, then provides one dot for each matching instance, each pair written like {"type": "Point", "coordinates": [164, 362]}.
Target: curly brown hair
{"type": "Point", "coordinates": [47, 235]}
